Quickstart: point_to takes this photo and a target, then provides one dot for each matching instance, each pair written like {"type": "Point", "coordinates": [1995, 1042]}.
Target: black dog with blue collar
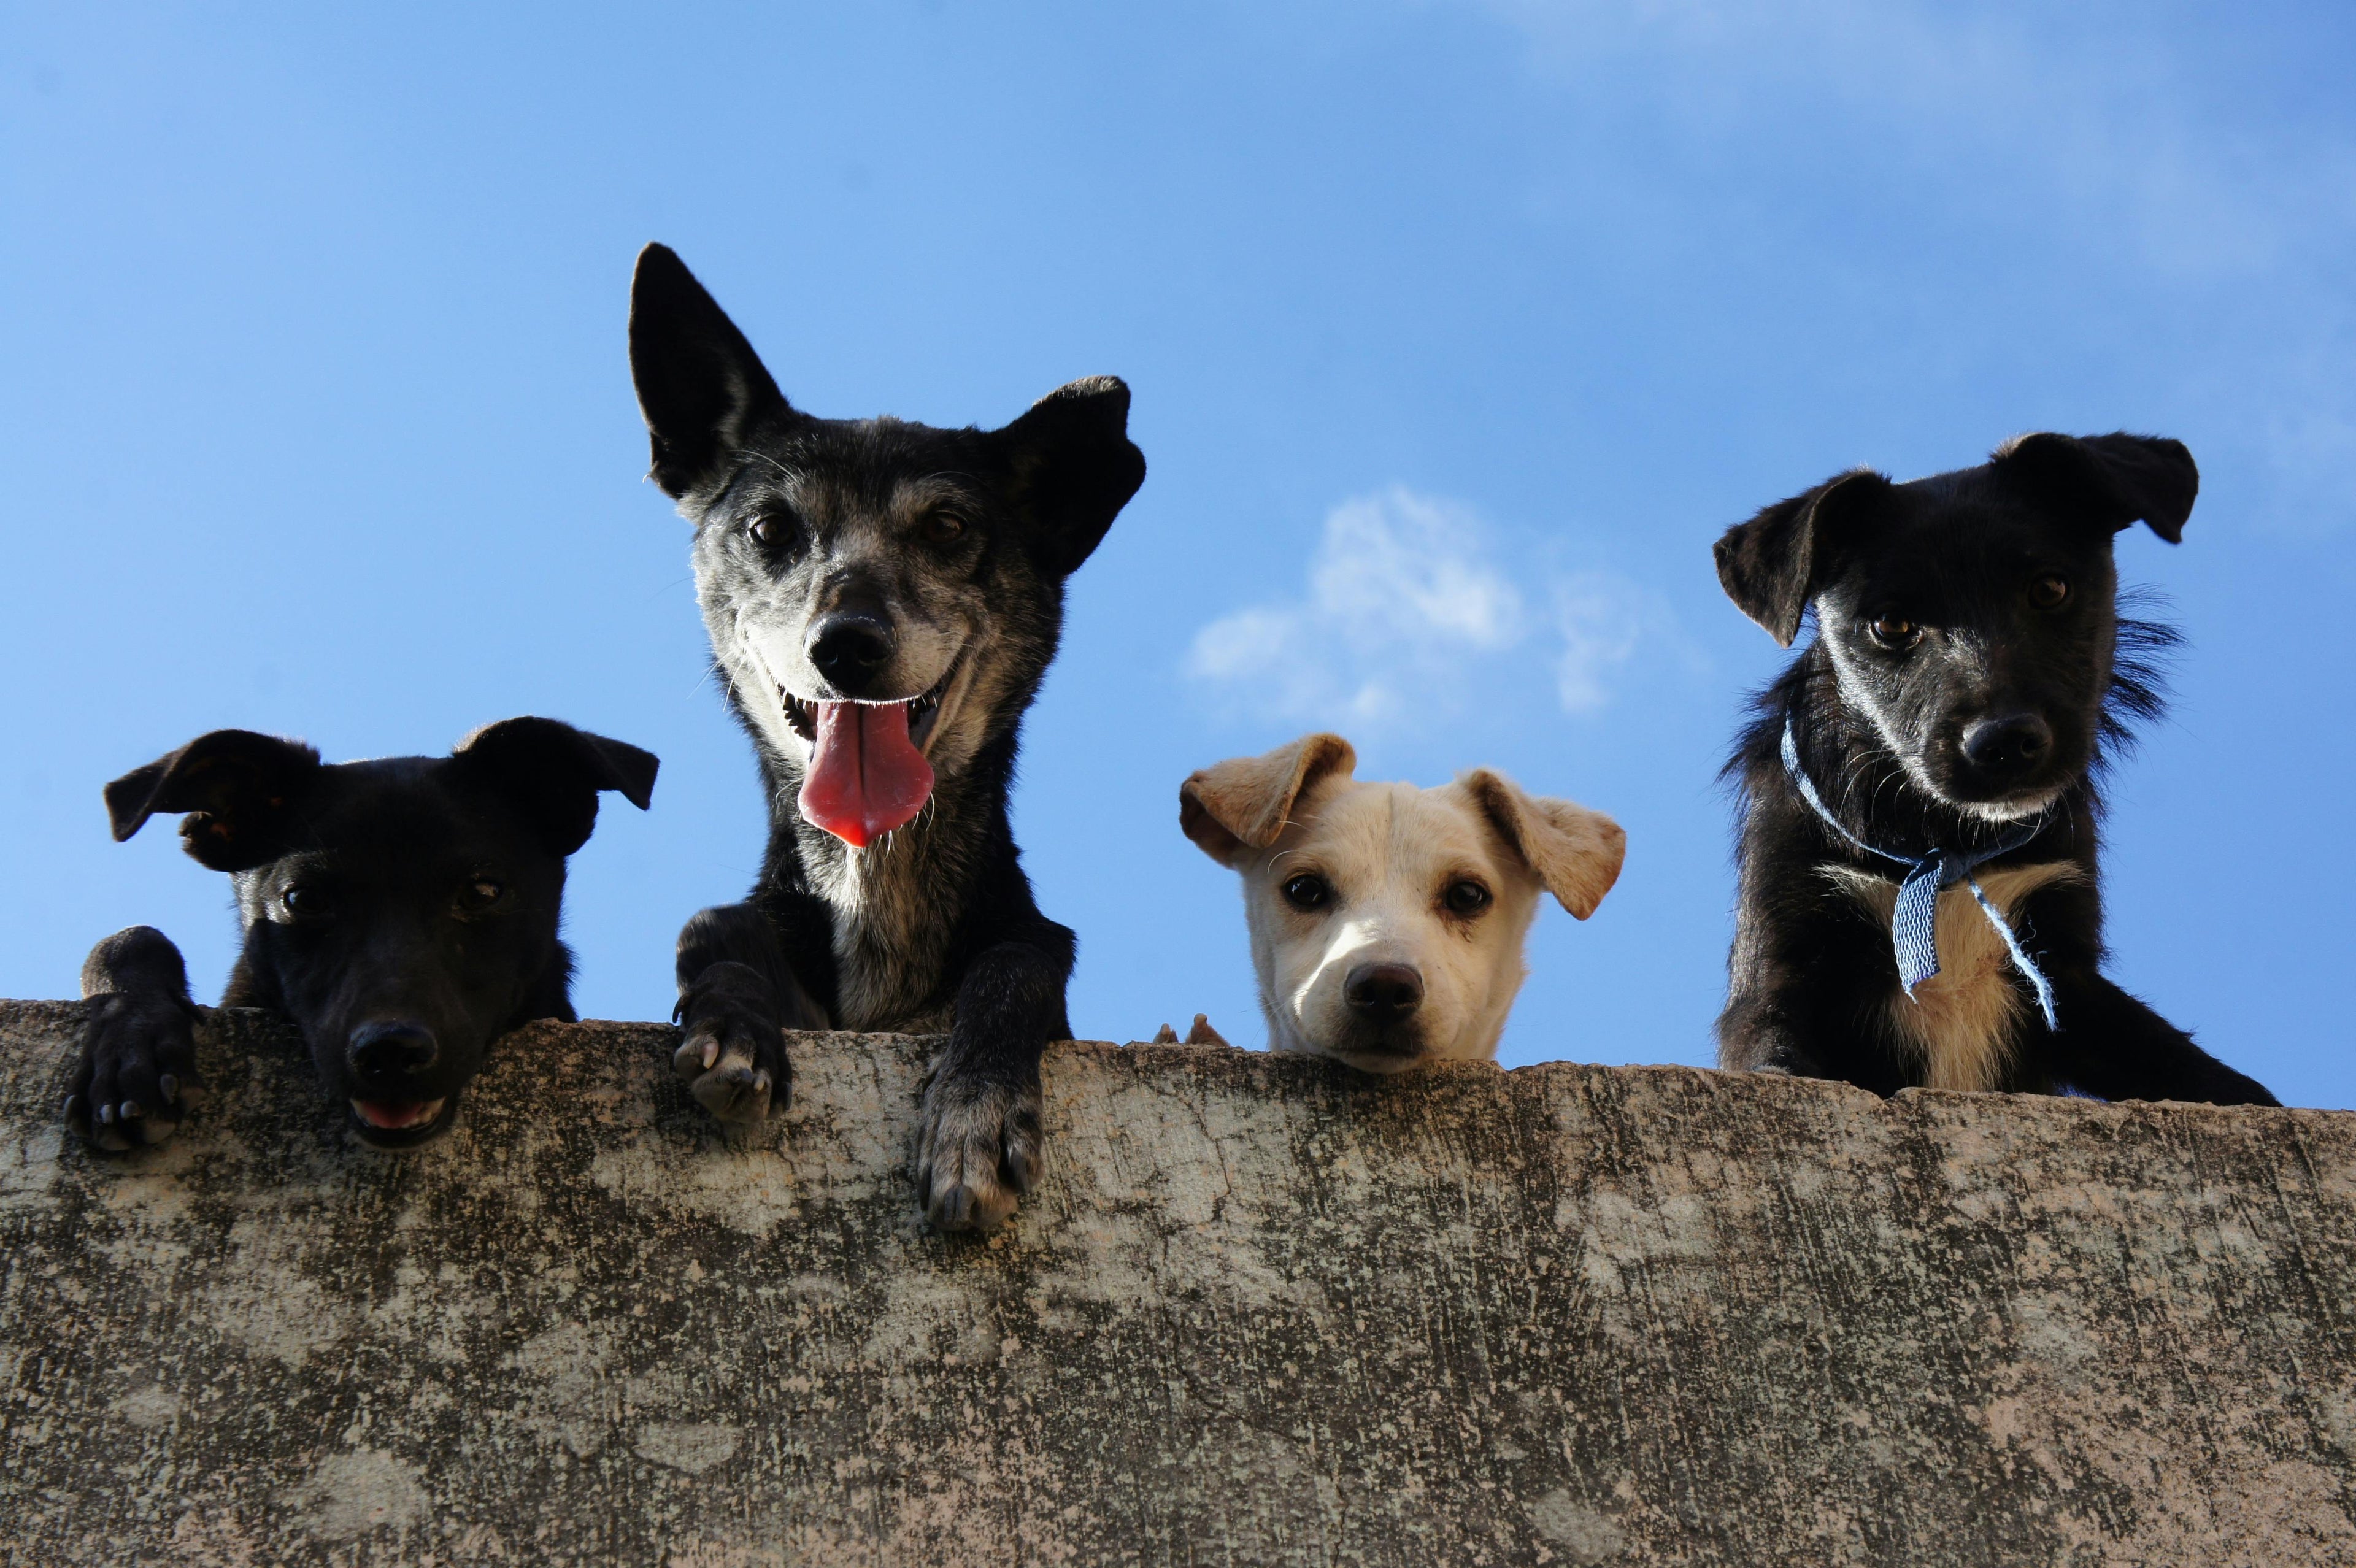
{"type": "Point", "coordinates": [1920, 901]}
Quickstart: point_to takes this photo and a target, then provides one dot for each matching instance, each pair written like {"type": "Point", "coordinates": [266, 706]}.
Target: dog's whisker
{"type": "Point", "coordinates": [746, 455]}
{"type": "Point", "coordinates": [1853, 775]}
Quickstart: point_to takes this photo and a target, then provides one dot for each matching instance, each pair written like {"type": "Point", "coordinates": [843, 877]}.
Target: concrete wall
{"type": "Point", "coordinates": [1262, 1312]}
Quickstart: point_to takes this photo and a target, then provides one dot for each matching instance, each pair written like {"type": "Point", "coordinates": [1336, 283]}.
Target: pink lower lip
{"type": "Point", "coordinates": [397, 1115]}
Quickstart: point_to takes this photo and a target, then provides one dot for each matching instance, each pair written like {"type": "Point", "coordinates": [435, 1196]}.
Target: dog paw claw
{"type": "Point", "coordinates": [137, 1078]}
{"type": "Point", "coordinates": [694, 1056]}
{"type": "Point", "coordinates": [978, 1153]}
{"type": "Point", "coordinates": [734, 1090]}
{"type": "Point", "coordinates": [732, 1056]}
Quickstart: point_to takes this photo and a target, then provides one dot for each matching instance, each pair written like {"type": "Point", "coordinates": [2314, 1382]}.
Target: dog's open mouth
{"type": "Point", "coordinates": [397, 1124]}
{"type": "Point", "coordinates": [924, 712]}
{"type": "Point", "coordinates": [868, 772]}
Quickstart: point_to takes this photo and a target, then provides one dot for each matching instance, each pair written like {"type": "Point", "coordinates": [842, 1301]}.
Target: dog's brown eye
{"type": "Point", "coordinates": [302, 901]}
{"type": "Point", "coordinates": [479, 895]}
{"type": "Point", "coordinates": [943, 529]}
{"type": "Point", "coordinates": [1307, 892]}
{"type": "Point", "coordinates": [769, 530]}
{"type": "Point", "coordinates": [1466, 897]}
{"type": "Point", "coordinates": [2049, 592]}
{"type": "Point", "coordinates": [1896, 632]}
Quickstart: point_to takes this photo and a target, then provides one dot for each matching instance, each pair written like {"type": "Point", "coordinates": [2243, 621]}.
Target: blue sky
{"type": "Point", "coordinates": [1457, 333]}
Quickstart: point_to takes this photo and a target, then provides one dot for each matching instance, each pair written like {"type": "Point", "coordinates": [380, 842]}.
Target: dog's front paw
{"type": "Point", "coordinates": [733, 1052]}
{"type": "Point", "coordinates": [137, 1074]}
{"type": "Point", "coordinates": [977, 1151]}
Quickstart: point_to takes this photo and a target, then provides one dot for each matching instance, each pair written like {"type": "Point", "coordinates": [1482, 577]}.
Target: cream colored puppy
{"type": "Point", "coordinates": [1387, 921]}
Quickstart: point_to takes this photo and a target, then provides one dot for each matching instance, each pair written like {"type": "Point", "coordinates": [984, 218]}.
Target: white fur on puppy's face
{"type": "Point", "coordinates": [1388, 855]}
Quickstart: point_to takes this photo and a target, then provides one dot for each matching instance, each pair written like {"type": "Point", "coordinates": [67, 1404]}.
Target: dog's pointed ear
{"type": "Point", "coordinates": [2115, 480]}
{"type": "Point", "coordinates": [554, 774]}
{"type": "Point", "coordinates": [1234, 809]}
{"type": "Point", "coordinates": [1769, 565]}
{"type": "Point", "coordinates": [238, 788]}
{"type": "Point", "coordinates": [1576, 852]}
{"type": "Point", "coordinates": [702, 389]}
{"type": "Point", "coordinates": [1074, 468]}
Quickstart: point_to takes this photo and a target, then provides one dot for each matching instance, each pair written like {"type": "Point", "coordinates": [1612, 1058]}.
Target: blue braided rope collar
{"type": "Point", "coordinates": [1914, 924]}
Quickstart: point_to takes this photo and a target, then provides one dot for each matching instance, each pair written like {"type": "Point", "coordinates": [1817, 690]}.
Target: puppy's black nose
{"type": "Point", "coordinates": [851, 651]}
{"type": "Point", "coordinates": [1383, 992]}
{"type": "Point", "coordinates": [2007, 747]}
{"type": "Point", "coordinates": [382, 1050]}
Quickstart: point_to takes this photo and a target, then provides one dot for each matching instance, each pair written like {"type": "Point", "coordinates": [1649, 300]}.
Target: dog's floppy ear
{"type": "Point", "coordinates": [2114, 480]}
{"type": "Point", "coordinates": [1074, 468]}
{"type": "Point", "coordinates": [554, 772]}
{"type": "Point", "coordinates": [701, 387]}
{"type": "Point", "coordinates": [1768, 565]}
{"type": "Point", "coordinates": [1576, 852]}
{"type": "Point", "coordinates": [238, 788]}
{"type": "Point", "coordinates": [1233, 809]}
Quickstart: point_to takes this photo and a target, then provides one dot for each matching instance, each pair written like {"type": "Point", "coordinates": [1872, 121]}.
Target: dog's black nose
{"type": "Point", "coordinates": [2007, 747]}
{"type": "Point", "coordinates": [1383, 991]}
{"type": "Point", "coordinates": [382, 1050]}
{"type": "Point", "coordinates": [851, 651]}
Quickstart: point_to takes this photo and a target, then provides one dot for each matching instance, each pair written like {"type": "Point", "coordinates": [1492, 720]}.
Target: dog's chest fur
{"type": "Point", "coordinates": [894, 912]}
{"type": "Point", "coordinates": [1961, 1022]}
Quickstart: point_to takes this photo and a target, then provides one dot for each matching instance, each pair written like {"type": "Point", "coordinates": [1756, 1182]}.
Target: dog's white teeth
{"type": "Point", "coordinates": [799, 715]}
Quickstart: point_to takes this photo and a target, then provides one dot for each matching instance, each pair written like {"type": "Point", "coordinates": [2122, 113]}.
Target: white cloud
{"type": "Point", "coordinates": [1409, 612]}
{"type": "Point", "coordinates": [1600, 618]}
{"type": "Point", "coordinates": [1398, 565]}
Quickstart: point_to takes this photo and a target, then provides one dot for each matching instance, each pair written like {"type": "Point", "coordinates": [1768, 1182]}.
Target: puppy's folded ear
{"type": "Point", "coordinates": [1074, 468]}
{"type": "Point", "coordinates": [1770, 565]}
{"type": "Point", "coordinates": [702, 389]}
{"type": "Point", "coordinates": [2114, 480]}
{"type": "Point", "coordinates": [239, 790]}
{"type": "Point", "coordinates": [1575, 852]}
{"type": "Point", "coordinates": [1235, 808]}
{"type": "Point", "coordinates": [553, 773]}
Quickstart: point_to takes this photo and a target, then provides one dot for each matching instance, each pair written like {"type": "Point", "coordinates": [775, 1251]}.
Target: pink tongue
{"type": "Point", "coordinates": [866, 778]}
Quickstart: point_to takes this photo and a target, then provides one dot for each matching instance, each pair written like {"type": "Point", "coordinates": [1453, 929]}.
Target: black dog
{"type": "Point", "coordinates": [883, 599]}
{"type": "Point", "coordinates": [1944, 730]}
{"type": "Point", "coordinates": [402, 912]}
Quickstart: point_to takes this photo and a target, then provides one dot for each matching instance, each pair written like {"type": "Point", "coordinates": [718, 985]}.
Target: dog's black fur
{"type": "Point", "coordinates": [1970, 671]}
{"type": "Point", "coordinates": [943, 553]}
{"type": "Point", "coordinates": [402, 912]}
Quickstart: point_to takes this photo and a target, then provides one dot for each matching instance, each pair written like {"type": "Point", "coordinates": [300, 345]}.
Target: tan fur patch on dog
{"type": "Point", "coordinates": [1960, 1020]}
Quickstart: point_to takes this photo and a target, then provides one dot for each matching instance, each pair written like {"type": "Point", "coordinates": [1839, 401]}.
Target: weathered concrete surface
{"type": "Point", "coordinates": [1262, 1312]}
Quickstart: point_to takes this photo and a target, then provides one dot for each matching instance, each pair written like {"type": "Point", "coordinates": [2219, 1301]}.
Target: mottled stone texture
{"type": "Point", "coordinates": [1261, 1311]}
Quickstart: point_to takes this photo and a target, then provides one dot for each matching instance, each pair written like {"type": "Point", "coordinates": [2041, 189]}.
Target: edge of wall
{"type": "Point", "coordinates": [1262, 1310]}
